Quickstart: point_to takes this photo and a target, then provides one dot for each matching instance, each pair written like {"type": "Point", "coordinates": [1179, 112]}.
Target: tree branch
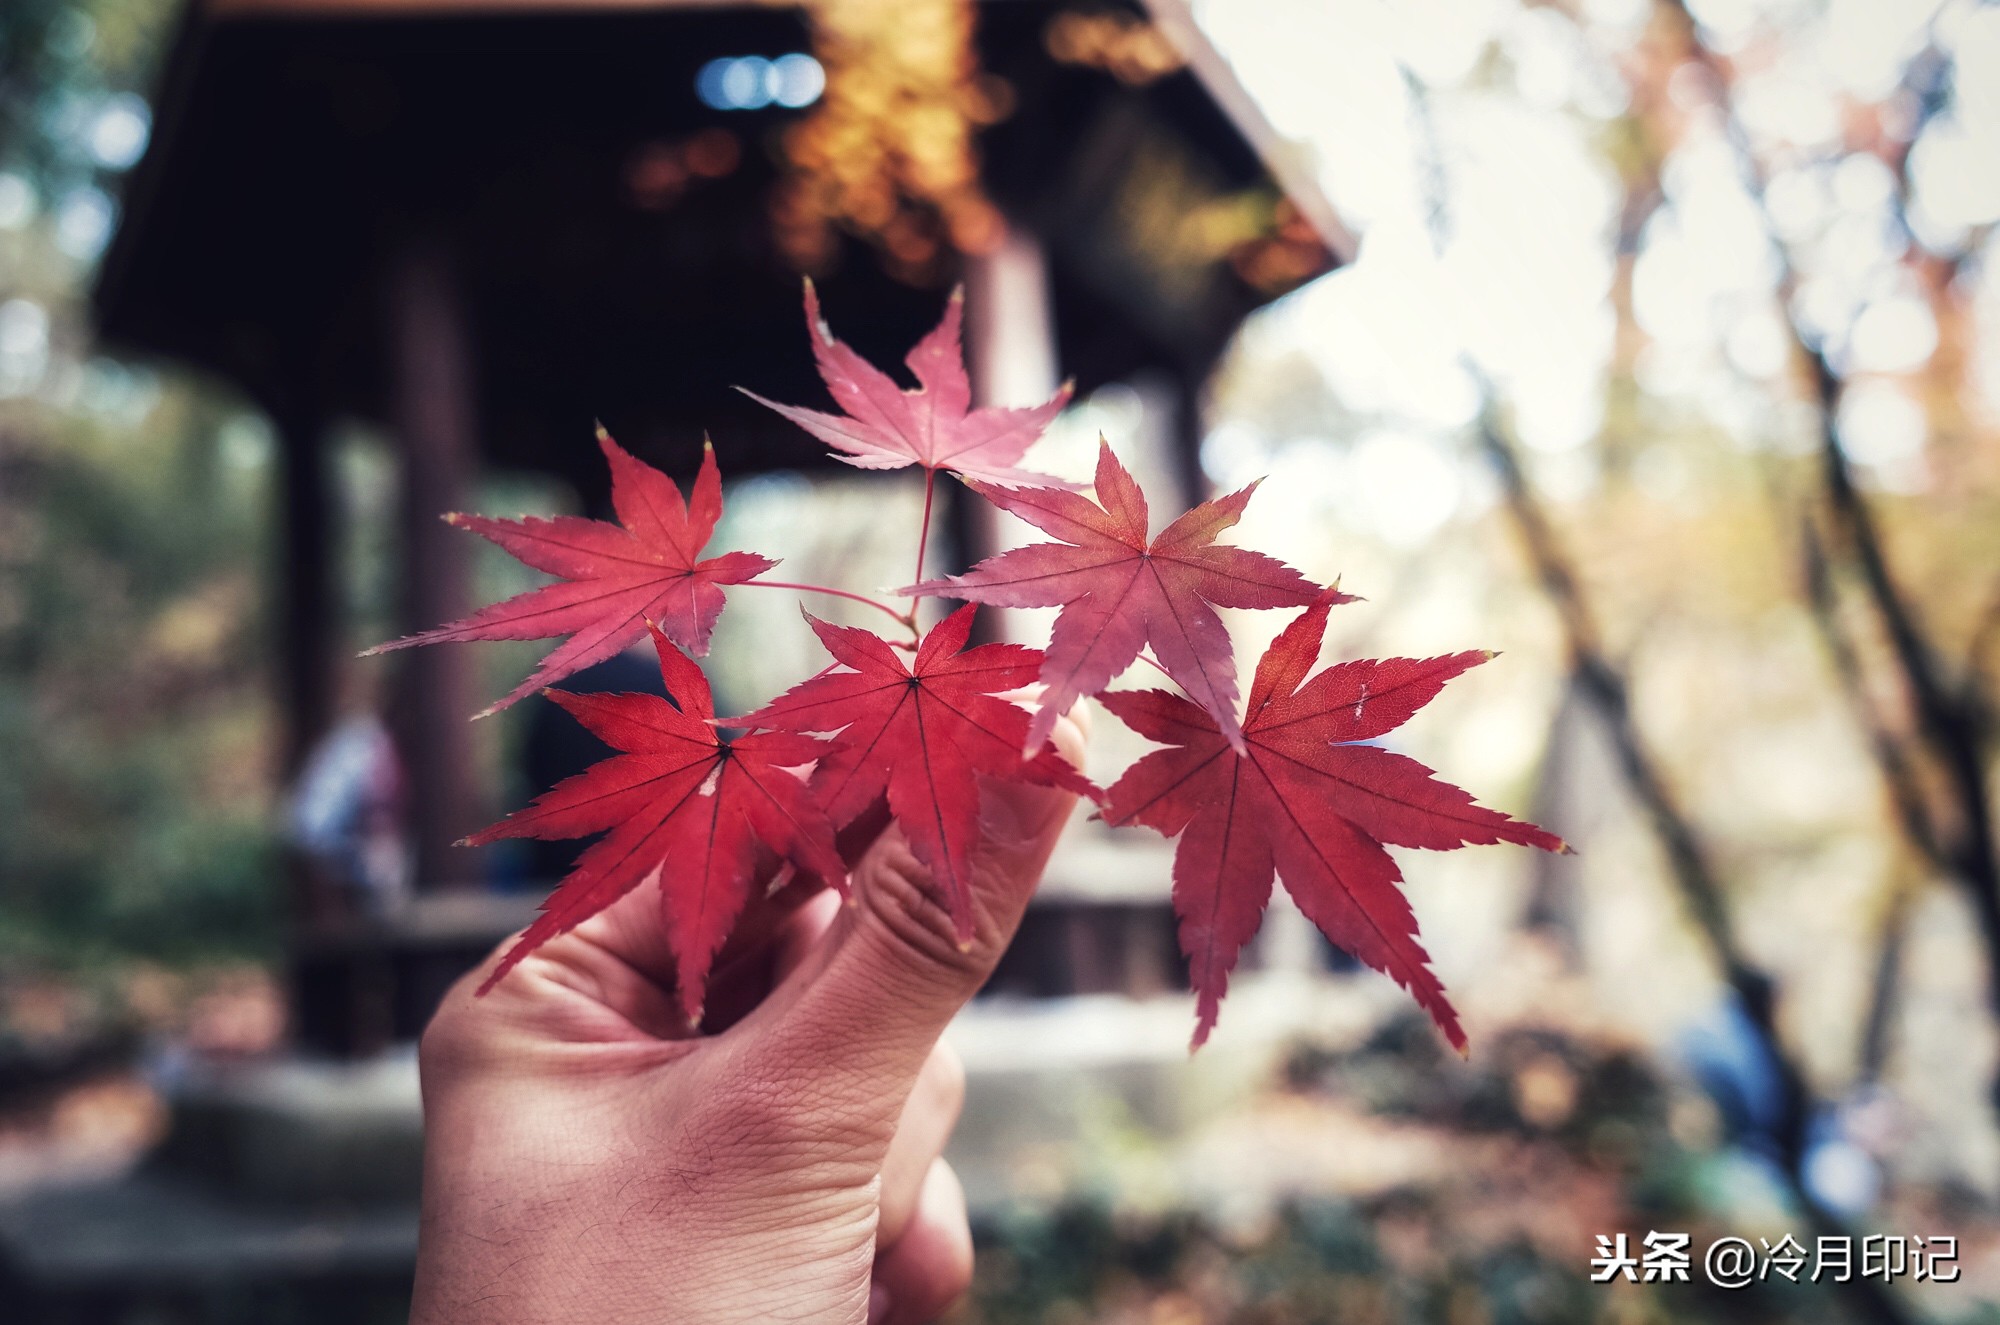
{"type": "Point", "coordinates": [1688, 860]}
{"type": "Point", "coordinates": [1948, 714]}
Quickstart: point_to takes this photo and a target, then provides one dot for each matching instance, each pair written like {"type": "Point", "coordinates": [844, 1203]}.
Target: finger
{"type": "Point", "coordinates": [928, 1117]}
{"type": "Point", "coordinates": [617, 964]}
{"type": "Point", "coordinates": [633, 931]}
{"type": "Point", "coordinates": [930, 1266]}
{"type": "Point", "coordinates": [861, 1016]}
{"type": "Point", "coordinates": [805, 931]}
{"type": "Point", "coordinates": [775, 931]}
{"type": "Point", "coordinates": [748, 968]}
{"type": "Point", "coordinates": [621, 963]}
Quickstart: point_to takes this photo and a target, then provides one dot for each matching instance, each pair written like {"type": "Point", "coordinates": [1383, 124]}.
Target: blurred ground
{"type": "Point", "coordinates": [1381, 1181]}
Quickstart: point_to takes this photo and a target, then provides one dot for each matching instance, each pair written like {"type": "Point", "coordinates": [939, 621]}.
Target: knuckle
{"type": "Point", "coordinates": [958, 1268]}
{"type": "Point", "coordinates": [952, 1256]}
{"type": "Point", "coordinates": [943, 1082]}
{"type": "Point", "coordinates": [899, 894]}
{"type": "Point", "coordinates": [445, 1045]}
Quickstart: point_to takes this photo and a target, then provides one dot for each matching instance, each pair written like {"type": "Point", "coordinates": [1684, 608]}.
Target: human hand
{"type": "Point", "coordinates": [588, 1159]}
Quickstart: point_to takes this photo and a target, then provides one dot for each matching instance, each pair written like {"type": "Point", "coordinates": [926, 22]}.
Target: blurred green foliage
{"type": "Point", "coordinates": [131, 699]}
{"type": "Point", "coordinates": [134, 815]}
{"type": "Point", "coordinates": [1321, 1260]}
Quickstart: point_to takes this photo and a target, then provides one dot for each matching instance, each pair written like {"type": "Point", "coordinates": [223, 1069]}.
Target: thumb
{"type": "Point", "coordinates": [893, 972]}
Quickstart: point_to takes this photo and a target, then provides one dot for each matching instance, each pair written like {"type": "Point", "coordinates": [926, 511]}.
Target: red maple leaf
{"type": "Point", "coordinates": [1305, 802]}
{"type": "Point", "coordinates": [1118, 592]}
{"type": "Point", "coordinates": [886, 427]}
{"type": "Point", "coordinates": [678, 795]}
{"type": "Point", "coordinates": [922, 733]}
{"type": "Point", "coordinates": [614, 580]}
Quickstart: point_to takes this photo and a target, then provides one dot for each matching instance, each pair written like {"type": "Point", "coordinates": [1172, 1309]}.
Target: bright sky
{"type": "Point", "coordinates": [1460, 139]}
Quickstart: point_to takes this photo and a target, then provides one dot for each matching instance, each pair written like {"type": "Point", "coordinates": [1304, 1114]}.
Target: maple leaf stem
{"type": "Point", "coordinates": [827, 589]}
{"type": "Point", "coordinates": [1154, 663]}
{"type": "Point", "coordinates": [924, 533]}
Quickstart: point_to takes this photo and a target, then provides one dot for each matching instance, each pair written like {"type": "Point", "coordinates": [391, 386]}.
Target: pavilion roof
{"type": "Point", "coordinates": [612, 234]}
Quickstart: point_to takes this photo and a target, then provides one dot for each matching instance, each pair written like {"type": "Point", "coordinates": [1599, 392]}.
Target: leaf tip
{"type": "Point", "coordinates": [513, 958]}
{"type": "Point", "coordinates": [815, 320]}
{"type": "Point", "coordinates": [603, 433]}
{"type": "Point", "coordinates": [453, 518]}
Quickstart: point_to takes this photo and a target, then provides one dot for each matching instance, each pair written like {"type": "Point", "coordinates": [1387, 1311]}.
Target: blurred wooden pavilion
{"type": "Point", "coordinates": [481, 224]}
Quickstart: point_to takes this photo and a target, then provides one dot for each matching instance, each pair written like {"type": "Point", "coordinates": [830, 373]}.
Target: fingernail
{"type": "Point", "coordinates": [878, 1304]}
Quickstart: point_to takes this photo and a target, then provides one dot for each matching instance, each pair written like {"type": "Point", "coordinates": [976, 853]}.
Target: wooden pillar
{"type": "Point", "coordinates": [307, 609]}
{"type": "Point", "coordinates": [305, 606]}
{"type": "Point", "coordinates": [1010, 328]}
{"type": "Point", "coordinates": [1010, 351]}
{"type": "Point", "coordinates": [1185, 436]}
{"type": "Point", "coordinates": [437, 691]}
{"type": "Point", "coordinates": [1164, 451]}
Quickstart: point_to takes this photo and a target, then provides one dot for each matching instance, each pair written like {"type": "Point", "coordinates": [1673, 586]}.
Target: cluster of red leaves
{"type": "Point", "coordinates": [1290, 790]}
